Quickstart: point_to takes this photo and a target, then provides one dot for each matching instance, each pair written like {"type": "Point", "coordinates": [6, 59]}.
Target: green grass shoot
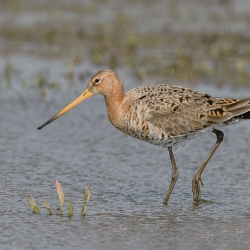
{"type": "Point", "coordinates": [86, 199]}
{"type": "Point", "coordinates": [33, 204]}
{"type": "Point", "coordinates": [70, 208]}
{"type": "Point", "coordinates": [46, 204]}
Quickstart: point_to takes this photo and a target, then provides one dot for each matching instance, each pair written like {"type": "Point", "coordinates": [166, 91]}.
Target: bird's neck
{"type": "Point", "coordinates": [114, 106]}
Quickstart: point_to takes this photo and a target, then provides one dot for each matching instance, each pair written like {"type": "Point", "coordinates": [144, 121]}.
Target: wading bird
{"type": "Point", "coordinates": [164, 115]}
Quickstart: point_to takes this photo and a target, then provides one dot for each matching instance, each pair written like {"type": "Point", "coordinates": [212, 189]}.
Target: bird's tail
{"type": "Point", "coordinates": [239, 108]}
{"type": "Point", "coordinates": [245, 115]}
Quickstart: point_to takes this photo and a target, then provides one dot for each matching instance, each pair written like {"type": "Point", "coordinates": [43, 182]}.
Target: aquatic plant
{"type": "Point", "coordinates": [8, 71]}
{"type": "Point", "coordinates": [46, 204]}
{"type": "Point", "coordinates": [59, 189]}
{"type": "Point", "coordinates": [86, 199]}
{"type": "Point", "coordinates": [43, 84]}
{"type": "Point", "coordinates": [70, 208]}
{"type": "Point", "coordinates": [60, 195]}
{"type": "Point", "coordinates": [33, 204]}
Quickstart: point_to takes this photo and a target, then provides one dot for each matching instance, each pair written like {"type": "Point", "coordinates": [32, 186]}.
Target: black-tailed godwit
{"type": "Point", "coordinates": [164, 115]}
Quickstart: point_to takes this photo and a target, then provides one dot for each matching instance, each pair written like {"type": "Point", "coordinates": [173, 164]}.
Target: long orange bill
{"type": "Point", "coordinates": [85, 94]}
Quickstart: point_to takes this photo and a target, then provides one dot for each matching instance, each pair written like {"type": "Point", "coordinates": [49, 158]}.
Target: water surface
{"type": "Point", "coordinates": [128, 181]}
{"type": "Point", "coordinates": [192, 43]}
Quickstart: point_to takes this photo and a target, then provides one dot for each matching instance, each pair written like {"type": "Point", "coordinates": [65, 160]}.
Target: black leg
{"type": "Point", "coordinates": [197, 178]}
{"type": "Point", "coordinates": [175, 175]}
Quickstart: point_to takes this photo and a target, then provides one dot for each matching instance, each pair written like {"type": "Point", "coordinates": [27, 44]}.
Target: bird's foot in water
{"type": "Point", "coordinates": [196, 188]}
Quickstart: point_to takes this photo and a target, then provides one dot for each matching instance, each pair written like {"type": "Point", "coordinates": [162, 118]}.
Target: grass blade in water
{"type": "Point", "coordinates": [70, 208]}
{"type": "Point", "coordinates": [60, 195]}
{"type": "Point", "coordinates": [86, 194]}
{"type": "Point", "coordinates": [33, 204]}
{"type": "Point", "coordinates": [86, 199]}
{"type": "Point", "coordinates": [46, 204]}
{"type": "Point", "coordinates": [84, 209]}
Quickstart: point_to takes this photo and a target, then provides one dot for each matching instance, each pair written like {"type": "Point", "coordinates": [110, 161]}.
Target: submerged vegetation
{"type": "Point", "coordinates": [46, 204]}
{"type": "Point", "coordinates": [33, 204]}
{"type": "Point", "coordinates": [86, 199]}
{"type": "Point", "coordinates": [60, 193]}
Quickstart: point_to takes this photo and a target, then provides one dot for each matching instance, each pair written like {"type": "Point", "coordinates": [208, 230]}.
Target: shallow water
{"type": "Point", "coordinates": [128, 180]}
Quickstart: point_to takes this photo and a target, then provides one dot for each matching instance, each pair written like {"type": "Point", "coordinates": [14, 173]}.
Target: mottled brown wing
{"type": "Point", "coordinates": [179, 110]}
{"type": "Point", "coordinates": [183, 111]}
{"type": "Point", "coordinates": [179, 119]}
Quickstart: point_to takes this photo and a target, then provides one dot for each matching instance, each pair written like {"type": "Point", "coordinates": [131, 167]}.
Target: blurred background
{"type": "Point", "coordinates": [48, 52]}
{"type": "Point", "coordinates": [45, 44]}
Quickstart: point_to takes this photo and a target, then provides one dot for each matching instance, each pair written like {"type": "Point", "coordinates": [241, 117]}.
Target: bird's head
{"type": "Point", "coordinates": [102, 83]}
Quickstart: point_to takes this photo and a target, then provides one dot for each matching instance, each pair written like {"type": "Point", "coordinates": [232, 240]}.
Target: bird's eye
{"type": "Point", "coordinates": [97, 80]}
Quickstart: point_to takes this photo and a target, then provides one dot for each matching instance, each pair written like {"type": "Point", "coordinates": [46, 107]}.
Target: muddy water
{"type": "Point", "coordinates": [128, 179]}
